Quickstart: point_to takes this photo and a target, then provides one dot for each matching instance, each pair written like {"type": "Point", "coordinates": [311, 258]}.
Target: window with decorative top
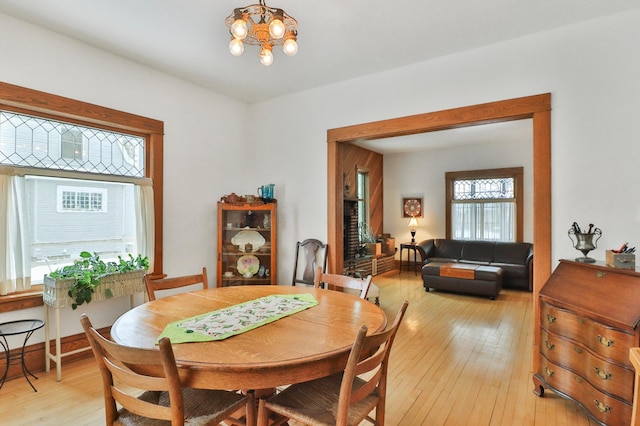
{"type": "Point", "coordinates": [485, 204]}
{"type": "Point", "coordinates": [73, 177]}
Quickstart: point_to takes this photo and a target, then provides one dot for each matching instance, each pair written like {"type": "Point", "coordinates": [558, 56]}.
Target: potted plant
{"type": "Point", "coordinates": [368, 239]}
{"type": "Point", "coordinates": [80, 280]}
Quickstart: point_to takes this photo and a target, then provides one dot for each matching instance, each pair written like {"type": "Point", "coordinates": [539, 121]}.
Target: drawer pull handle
{"type": "Point", "coordinates": [548, 371]}
{"type": "Point", "coordinates": [580, 320]}
{"type": "Point", "coordinates": [604, 341]}
{"type": "Point", "coordinates": [602, 374]}
{"type": "Point", "coordinates": [601, 407]}
{"type": "Point", "coordinates": [549, 346]}
{"type": "Point", "coordinates": [551, 318]}
{"type": "Point", "coordinates": [578, 349]}
{"type": "Point", "coordinates": [578, 378]}
{"type": "Point", "coordinates": [601, 274]}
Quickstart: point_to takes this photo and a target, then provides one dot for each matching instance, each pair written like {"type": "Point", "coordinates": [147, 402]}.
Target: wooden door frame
{"type": "Point", "coordinates": [536, 107]}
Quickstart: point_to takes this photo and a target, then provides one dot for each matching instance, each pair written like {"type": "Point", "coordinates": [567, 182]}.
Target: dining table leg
{"type": "Point", "coordinates": [276, 420]}
{"type": "Point", "coordinates": [251, 408]}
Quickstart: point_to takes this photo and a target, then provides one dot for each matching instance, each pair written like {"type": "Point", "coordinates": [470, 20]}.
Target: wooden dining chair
{"type": "Point", "coordinates": [346, 398]}
{"type": "Point", "coordinates": [310, 254]}
{"type": "Point", "coordinates": [175, 282]}
{"type": "Point", "coordinates": [343, 281]}
{"type": "Point", "coordinates": [126, 371]}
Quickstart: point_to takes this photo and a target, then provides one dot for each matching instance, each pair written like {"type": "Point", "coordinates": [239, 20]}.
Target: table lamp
{"type": "Point", "coordinates": [413, 224]}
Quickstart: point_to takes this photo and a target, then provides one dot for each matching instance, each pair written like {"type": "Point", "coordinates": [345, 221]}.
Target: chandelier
{"type": "Point", "coordinates": [263, 26]}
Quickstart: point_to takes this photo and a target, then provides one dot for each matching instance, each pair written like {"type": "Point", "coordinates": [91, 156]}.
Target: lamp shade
{"type": "Point", "coordinates": [413, 223]}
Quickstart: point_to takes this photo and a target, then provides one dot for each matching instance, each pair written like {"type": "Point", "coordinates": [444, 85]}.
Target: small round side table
{"type": "Point", "coordinates": [13, 328]}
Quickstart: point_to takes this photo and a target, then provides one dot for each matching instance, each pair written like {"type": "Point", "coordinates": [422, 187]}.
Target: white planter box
{"type": "Point", "coordinates": [123, 284]}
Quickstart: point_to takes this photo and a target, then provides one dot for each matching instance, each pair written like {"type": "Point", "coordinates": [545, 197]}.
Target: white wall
{"type": "Point", "coordinates": [421, 174]}
{"type": "Point", "coordinates": [591, 70]}
{"type": "Point", "coordinates": [204, 134]}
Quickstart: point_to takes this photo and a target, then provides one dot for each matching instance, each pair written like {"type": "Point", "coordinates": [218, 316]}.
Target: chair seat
{"type": "Point", "coordinates": [201, 407]}
{"type": "Point", "coordinates": [373, 293]}
{"type": "Point", "coordinates": [315, 403]}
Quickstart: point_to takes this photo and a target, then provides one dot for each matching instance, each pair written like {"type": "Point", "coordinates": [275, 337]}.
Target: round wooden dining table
{"type": "Point", "coordinates": [306, 345]}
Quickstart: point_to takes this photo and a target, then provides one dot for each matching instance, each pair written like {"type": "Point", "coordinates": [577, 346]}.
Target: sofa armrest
{"type": "Point", "coordinates": [529, 257]}
{"type": "Point", "coordinates": [426, 249]}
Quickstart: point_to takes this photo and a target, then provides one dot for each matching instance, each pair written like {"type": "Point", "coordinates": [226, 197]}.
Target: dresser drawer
{"type": "Point", "coordinates": [608, 342]}
{"type": "Point", "coordinates": [607, 409]}
{"type": "Point", "coordinates": [608, 377]}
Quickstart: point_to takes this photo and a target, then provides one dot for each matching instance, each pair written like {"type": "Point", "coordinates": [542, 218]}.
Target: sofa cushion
{"type": "Point", "coordinates": [441, 260]}
{"type": "Point", "coordinates": [478, 251]}
{"type": "Point", "coordinates": [511, 253]}
{"type": "Point", "coordinates": [448, 249]}
{"type": "Point", "coordinates": [511, 270]}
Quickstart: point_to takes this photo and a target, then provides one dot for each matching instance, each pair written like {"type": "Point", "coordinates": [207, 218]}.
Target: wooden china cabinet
{"type": "Point", "coordinates": [246, 243]}
{"type": "Point", "coordinates": [589, 316]}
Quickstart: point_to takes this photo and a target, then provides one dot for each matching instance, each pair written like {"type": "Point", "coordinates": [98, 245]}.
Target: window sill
{"type": "Point", "coordinates": [22, 300]}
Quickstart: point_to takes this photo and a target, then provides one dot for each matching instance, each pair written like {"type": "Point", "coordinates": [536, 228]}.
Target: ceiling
{"type": "Point", "coordinates": [510, 131]}
{"type": "Point", "coordinates": [338, 39]}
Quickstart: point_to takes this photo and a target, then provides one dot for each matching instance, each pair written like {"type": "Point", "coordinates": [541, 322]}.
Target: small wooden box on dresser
{"type": "Point", "coordinates": [589, 315]}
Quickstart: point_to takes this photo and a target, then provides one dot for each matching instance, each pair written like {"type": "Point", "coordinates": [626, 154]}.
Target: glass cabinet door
{"type": "Point", "coordinates": [246, 244]}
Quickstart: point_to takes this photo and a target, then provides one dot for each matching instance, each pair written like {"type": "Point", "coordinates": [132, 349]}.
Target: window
{"type": "Point", "coordinates": [73, 177]}
{"type": "Point", "coordinates": [485, 204]}
{"type": "Point", "coordinates": [81, 199]}
{"type": "Point", "coordinates": [363, 197]}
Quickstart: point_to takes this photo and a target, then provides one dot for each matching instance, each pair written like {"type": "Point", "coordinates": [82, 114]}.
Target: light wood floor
{"type": "Point", "coordinates": [457, 360]}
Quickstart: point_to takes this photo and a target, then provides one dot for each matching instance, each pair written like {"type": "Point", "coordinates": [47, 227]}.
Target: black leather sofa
{"type": "Point", "coordinates": [515, 259]}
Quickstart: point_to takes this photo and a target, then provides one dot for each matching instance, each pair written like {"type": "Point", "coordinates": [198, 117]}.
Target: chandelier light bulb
{"type": "Point", "coordinates": [266, 56]}
{"type": "Point", "coordinates": [239, 29]}
{"type": "Point", "coordinates": [277, 29]}
{"type": "Point", "coordinates": [236, 47]}
{"type": "Point", "coordinates": [262, 26]}
{"type": "Point", "coordinates": [290, 47]}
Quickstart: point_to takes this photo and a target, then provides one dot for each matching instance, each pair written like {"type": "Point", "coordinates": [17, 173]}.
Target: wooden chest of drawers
{"type": "Point", "coordinates": [589, 316]}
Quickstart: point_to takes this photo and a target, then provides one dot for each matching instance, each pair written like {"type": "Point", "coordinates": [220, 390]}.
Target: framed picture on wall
{"type": "Point", "coordinates": [411, 206]}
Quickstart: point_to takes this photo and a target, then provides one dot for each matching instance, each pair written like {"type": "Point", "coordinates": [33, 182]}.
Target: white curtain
{"type": "Point", "coordinates": [145, 221]}
{"type": "Point", "coordinates": [15, 260]}
{"type": "Point", "coordinates": [484, 221]}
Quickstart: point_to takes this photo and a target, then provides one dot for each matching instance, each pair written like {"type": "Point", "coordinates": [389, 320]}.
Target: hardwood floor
{"type": "Point", "coordinates": [457, 360]}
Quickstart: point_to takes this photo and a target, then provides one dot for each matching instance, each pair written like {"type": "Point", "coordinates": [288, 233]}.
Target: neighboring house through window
{"type": "Point", "coordinates": [81, 199]}
{"type": "Point", "coordinates": [485, 204]}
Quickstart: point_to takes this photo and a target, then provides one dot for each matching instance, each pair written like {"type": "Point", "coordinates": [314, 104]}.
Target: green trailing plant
{"type": "Point", "coordinates": [365, 233]}
{"type": "Point", "coordinates": [89, 269]}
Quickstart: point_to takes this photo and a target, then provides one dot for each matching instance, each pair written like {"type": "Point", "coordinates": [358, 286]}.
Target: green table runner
{"type": "Point", "coordinates": [236, 319]}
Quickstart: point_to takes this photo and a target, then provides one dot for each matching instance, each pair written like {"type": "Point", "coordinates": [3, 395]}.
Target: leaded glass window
{"type": "Point", "coordinates": [484, 189]}
{"type": "Point", "coordinates": [65, 215]}
{"type": "Point", "coordinates": [483, 204]}
{"type": "Point", "coordinates": [43, 143]}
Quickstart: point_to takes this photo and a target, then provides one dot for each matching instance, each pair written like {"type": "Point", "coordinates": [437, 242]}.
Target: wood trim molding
{"type": "Point", "coordinates": [536, 107]}
{"type": "Point", "coordinates": [22, 300]}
